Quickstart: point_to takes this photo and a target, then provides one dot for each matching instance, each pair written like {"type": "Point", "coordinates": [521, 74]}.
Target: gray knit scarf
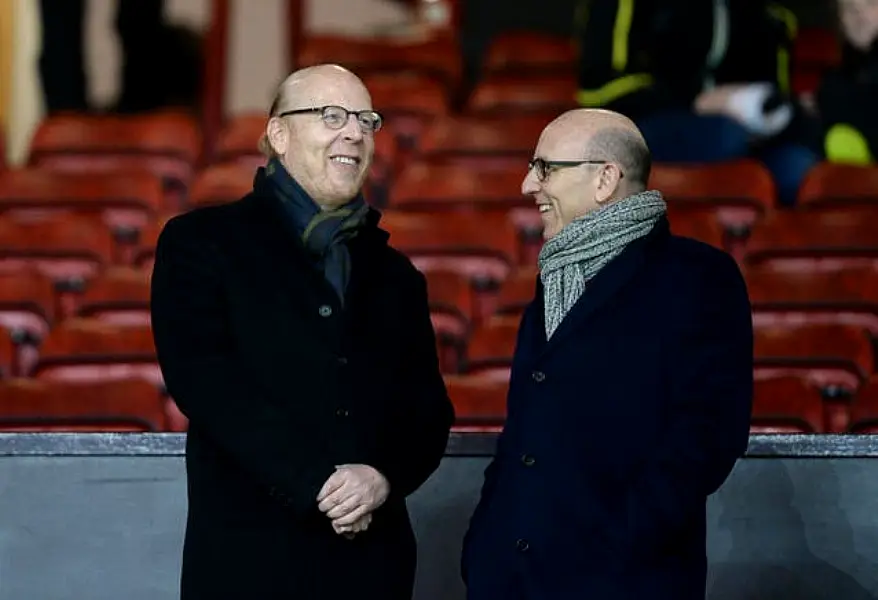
{"type": "Point", "coordinates": [570, 259]}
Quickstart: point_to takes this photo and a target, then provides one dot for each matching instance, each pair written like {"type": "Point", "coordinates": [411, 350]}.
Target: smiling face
{"type": "Point", "coordinates": [569, 192]}
{"type": "Point", "coordinates": [330, 164]}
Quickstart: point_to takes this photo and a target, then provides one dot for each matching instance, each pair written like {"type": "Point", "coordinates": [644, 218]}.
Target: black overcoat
{"type": "Point", "coordinates": [619, 428]}
{"type": "Point", "coordinates": [281, 382]}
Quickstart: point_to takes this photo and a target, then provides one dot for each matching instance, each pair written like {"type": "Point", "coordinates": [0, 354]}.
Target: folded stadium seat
{"type": "Point", "coordinates": [483, 143]}
{"type": "Point", "coordinates": [118, 296]}
{"type": "Point", "coordinates": [141, 252]}
{"type": "Point", "coordinates": [97, 406]}
{"type": "Point", "coordinates": [409, 103]}
{"type": "Point", "coordinates": [822, 240]}
{"type": "Point", "coordinates": [814, 52]}
{"type": "Point", "coordinates": [739, 191]}
{"type": "Point", "coordinates": [167, 144]}
{"type": "Point", "coordinates": [786, 405]}
{"type": "Point", "coordinates": [836, 358]}
{"type": "Point", "coordinates": [220, 184]}
{"type": "Point", "coordinates": [525, 53]}
{"type": "Point", "coordinates": [491, 348]}
{"type": "Point", "coordinates": [783, 297]}
{"type": "Point", "coordinates": [482, 247]}
{"type": "Point", "coordinates": [864, 409]}
{"type": "Point", "coordinates": [517, 291]}
{"type": "Point", "coordinates": [126, 199]}
{"type": "Point", "coordinates": [479, 403]}
{"type": "Point", "coordinates": [835, 186]}
{"type": "Point", "coordinates": [437, 56]}
{"type": "Point", "coordinates": [512, 95]}
{"type": "Point", "coordinates": [88, 349]}
{"type": "Point", "coordinates": [8, 354]}
{"type": "Point", "coordinates": [449, 186]}
{"type": "Point", "coordinates": [238, 143]}
{"type": "Point", "coordinates": [452, 311]}
{"type": "Point", "coordinates": [29, 305]}
{"type": "Point", "coordinates": [65, 246]}
{"type": "Point", "coordinates": [698, 223]}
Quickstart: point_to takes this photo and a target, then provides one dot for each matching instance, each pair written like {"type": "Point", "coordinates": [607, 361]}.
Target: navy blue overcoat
{"type": "Point", "coordinates": [619, 428]}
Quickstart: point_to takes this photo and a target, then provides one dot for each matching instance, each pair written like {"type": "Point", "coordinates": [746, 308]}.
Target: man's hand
{"type": "Point", "coordinates": [350, 531]}
{"type": "Point", "coordinates": [352, 492]}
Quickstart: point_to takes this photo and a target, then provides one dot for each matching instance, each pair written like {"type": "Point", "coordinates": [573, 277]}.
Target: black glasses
{"type": "Point", "coordinates": [544, 168]}
{"type": "Point", "coordinates": [336, 117]}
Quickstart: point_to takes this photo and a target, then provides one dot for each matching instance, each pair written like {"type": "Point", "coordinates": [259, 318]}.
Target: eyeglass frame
{"type": "Point", "coordinates": [322, 111]}
{"type": "Point", "coordinates": [546, 167]}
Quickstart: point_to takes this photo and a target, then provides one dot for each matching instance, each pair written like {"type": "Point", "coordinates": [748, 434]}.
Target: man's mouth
{"type": "Point", "coordinates": [345, 160]}
{"type": "Point", "coordinates": [544, 208]}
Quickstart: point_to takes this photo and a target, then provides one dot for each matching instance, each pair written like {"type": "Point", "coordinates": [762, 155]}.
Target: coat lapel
{"type": "Point", "coordinates": [601, 290]}
{"type": "Point", "coordinates": [283, 254]}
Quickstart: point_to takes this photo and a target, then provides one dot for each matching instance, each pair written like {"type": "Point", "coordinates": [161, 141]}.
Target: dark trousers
{"type": "Point", "coordinates": [139, 24]}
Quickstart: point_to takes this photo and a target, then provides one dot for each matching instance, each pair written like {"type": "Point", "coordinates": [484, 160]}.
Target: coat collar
{"type": "Point", "coordinates": [279, 238]}
{"type": "Point", "coordinates": [602, 289]}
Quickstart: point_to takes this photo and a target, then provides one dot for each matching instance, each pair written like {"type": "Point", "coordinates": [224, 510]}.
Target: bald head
{"type": "Point", "coordinates": [300, 87]}
{"type": "Point", "coordinates": [610, 136]}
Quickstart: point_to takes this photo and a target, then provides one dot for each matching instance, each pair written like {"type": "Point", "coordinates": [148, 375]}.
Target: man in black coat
{"type": "Point", "coordinates": [299, 345]}
{"type": "Point", "coordinates": [630, 393]}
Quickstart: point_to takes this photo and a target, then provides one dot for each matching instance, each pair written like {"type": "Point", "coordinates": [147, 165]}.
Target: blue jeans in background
{"type": "Point", "coordinates": [686, 137]}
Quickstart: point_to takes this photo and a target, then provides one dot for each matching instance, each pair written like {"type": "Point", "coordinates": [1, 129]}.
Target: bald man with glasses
{"type": "Point", "coordinates": [300, 347]}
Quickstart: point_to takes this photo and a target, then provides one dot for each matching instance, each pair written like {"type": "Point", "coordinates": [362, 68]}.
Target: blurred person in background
{"type": "Point", "coordinates": [846, 103]}
{"type": "Point", "coordinates": [299, 345]}
{"type": "Point", "coordinates": [630, 392]}
{"type": "Point", "coordinates": [161, 62]}
{"type": "Point", "coordinates": [705, 81]}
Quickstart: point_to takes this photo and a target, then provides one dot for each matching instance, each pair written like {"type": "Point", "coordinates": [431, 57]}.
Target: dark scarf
{"type": "Point", "coordinates": [323, 232]}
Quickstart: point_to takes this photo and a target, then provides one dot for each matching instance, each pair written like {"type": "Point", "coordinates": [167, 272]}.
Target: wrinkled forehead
{"type": "Point", "coordinates": [337, 90]}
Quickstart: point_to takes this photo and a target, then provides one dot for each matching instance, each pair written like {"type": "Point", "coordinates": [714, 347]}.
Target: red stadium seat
{"type": "Point", "coordinates": [63, 246]}
{"type": "Point", "coordinates": [491, 348]}
{"type": "Point", "coordinates": [513, 95]}
{"type": "Point", "coordinates": [83, 349]}
{"type": "Point", "coordinates": [845, 296]}
{"type": "Point", "coordinates": [97, 406]}
{"type": "Point", "coordinates": [816, 240]}
{"type": "Point", "coordinates": [126, 199]}
{"type": "Point", "coordinates": [830, 185]}
{"type": "Point", "coordinates": [786, 405]}
{"type": "Point", "coordinates": [864, 410]}
{"type": "Point", "coordinates": [118, 296]}
{"type": "Point", "coordinates": [165, 143]}
{"type": "Point", "coordinates": [479, 403]}
{"type": "Point", "coordinates": [739, 191]}
{"type": "Point", "coordinates": [530, 53]}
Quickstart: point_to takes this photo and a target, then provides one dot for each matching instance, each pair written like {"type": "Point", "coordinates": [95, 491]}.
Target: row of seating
{"type": "Point", "coordinates": [781, 404]}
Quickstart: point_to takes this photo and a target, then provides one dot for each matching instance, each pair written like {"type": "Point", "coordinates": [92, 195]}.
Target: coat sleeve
{"type": "Point", "coordinates": [712, 394]}
{"type": "Point", "coordinates": [202, 372]}
{"type": "Point", "coordinates": [426, 415]}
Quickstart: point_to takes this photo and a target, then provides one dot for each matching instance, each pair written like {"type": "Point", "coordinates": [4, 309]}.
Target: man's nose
{"type": "Point", "coordinates": [353, 131]}
{"type": "Point", "coordinates": [531, 184]}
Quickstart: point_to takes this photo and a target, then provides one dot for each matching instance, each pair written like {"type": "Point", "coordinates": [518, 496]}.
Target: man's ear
{"type": "Point", "coordinates": [277, 135]}
{"type": "Point", "coordinates": [609, 181]}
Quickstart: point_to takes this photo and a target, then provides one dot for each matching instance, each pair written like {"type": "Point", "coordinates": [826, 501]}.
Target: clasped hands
{"type": "Point", "coordinates": [350, 495]}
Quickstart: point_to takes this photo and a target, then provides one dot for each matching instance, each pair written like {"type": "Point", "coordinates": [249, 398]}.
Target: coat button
{"type": "Point", "coordinates": [538, 376]}
{"type": "Point", "coordinates": [325, 310]}
{"type": "Point", "coordinates": [342, 412]}
{"type": "Point", "coordinates": [522, 545]}
{"type": "Point", "coordinates": [528, 460]}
